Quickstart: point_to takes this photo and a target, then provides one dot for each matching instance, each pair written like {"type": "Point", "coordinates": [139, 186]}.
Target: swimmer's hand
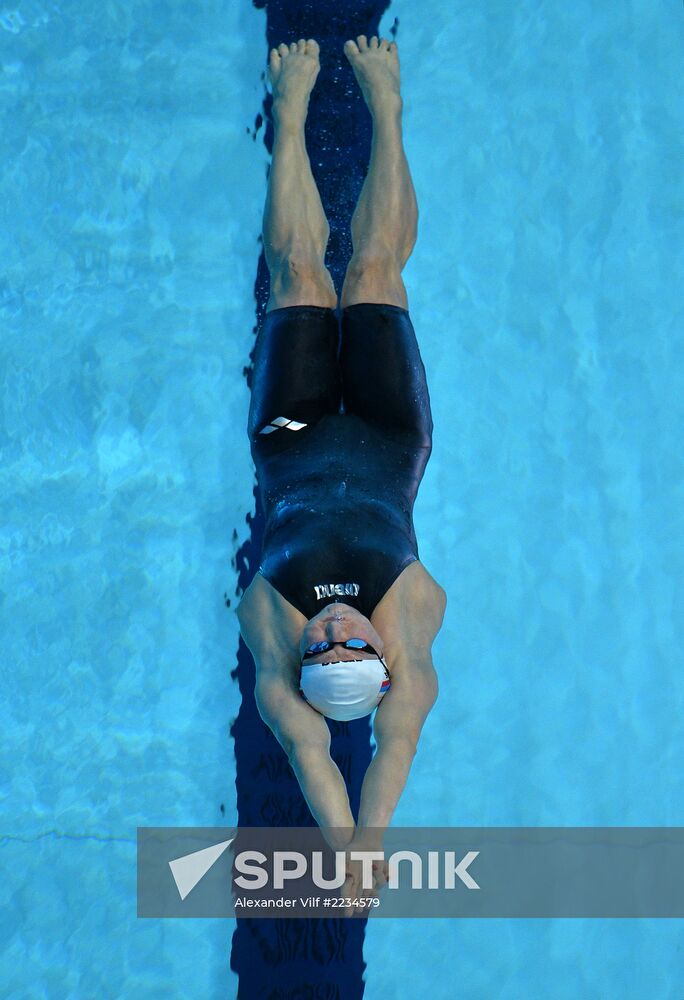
{"type": "Point", "coordinates": [353, 888]}
{"type": "Point", "coordinates": [358, 898]}
{"type": "Point", "coordinates": [380, 874]}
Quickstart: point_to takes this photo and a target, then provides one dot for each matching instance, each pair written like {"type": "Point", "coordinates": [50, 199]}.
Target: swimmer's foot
{"type": "Point", "coordinates": [293, 70]}
{"type": "Point", "coordinates": [376, 67]}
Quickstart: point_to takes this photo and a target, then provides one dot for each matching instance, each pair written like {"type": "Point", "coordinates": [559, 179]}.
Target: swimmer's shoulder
{"type": "Point", "coordinates": [261, 599]}
{"type": "Point", "coordinates": [267, 621]}
{"type": "Point", "coordinates": [417, 588]}
{"type": "Point", "coordinates": [426, 583]}
{"type": "Point", "coordinates": [254, 596]}
{"type": "Point", "coordinates": [412, 610]}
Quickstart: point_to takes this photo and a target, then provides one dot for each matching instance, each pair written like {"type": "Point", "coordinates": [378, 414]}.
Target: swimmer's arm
{"type": "Point", "coordinates": [401, 714]}
{"type": "Point", "coordinates": [397, 725]}
{"type": "Point", "coordinates": [301, 731]}
{"type": "Point", "coordinates": [304, 736]}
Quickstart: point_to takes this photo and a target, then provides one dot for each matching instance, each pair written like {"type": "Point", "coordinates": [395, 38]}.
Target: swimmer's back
{"type": "Point", "coordinates": [339, 513]}
{"type": "Point", "coordinates": [340, 449]}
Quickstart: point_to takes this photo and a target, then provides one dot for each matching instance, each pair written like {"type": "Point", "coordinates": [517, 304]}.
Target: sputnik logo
{"type": "Point", "coordinates": [189, 869]}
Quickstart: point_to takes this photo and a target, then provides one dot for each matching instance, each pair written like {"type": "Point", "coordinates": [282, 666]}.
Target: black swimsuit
{"type": "Point", "coordinates": [340, 432]}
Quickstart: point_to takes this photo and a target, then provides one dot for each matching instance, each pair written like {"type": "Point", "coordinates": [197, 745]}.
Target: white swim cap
{"type": "Point", "coordinates": [344, 689]}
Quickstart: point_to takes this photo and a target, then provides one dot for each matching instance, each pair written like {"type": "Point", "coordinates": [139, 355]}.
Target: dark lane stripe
{"type": "Point", "coordinates": [319, 959]}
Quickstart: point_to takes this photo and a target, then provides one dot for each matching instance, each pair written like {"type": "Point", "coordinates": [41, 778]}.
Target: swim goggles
{"type": "Point", "coordinates": [324, 645]}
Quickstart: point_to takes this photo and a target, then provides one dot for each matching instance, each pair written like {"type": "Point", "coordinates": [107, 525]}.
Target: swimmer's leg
{"type": "Point", "coordinates": [385, 221]}
{"type": "Point", "coordinates": [296, 378]}
{"type": "Point", "coordinates": [295, 228]}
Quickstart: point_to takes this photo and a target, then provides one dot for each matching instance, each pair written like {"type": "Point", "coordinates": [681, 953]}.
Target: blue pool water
{"type": "Point", "coordinates": [546, 143]}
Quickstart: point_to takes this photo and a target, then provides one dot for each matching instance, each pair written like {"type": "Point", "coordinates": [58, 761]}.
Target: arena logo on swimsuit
{"type": "Point", "coordinates": [336, 590]}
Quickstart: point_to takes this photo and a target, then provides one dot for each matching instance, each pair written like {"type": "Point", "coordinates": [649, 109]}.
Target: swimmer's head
{"type": "Point", "coordinates": [335, 623]}
{"type": "Point", "coordinates": [342, 682]}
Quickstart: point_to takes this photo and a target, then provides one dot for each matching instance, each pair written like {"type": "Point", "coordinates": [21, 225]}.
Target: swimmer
{"type": "Point", "coordinates": [342, 615]}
